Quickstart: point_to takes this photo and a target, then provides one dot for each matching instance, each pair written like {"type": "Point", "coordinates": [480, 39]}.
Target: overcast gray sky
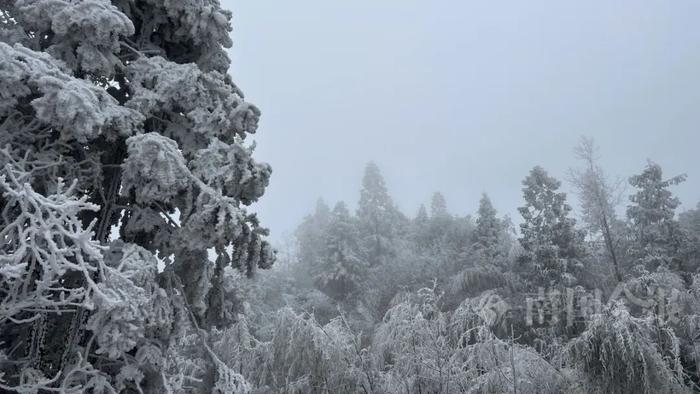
{"type": "Point", "coordinates": [463, 96]}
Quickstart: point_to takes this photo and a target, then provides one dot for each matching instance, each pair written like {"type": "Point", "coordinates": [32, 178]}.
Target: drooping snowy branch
{"type": "Point", "coordinates": [42, 241]}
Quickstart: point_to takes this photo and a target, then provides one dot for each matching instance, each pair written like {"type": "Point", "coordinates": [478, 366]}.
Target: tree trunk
{"type": "Point", "coordinates": [607, 234]}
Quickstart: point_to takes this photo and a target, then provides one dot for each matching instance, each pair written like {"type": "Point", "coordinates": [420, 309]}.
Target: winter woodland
{"type": "Point", "coordinates": [130, 261]}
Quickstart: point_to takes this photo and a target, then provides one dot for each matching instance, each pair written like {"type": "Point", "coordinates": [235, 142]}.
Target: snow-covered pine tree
{"type": "Point", "coordinates": [690, 223]}
{"type": "Point", "coordinates": [378, 218]}
{"type": "Point", "coordinates": [120, 114]}
{"type": "Point", "coordinates": [419, 228]}
{"type": "Point", "coordinates": [442, 226]}
{"type": "Point", "coordinates": [341, 269]}
{"type": "Point", "coordinates": [654, 228]}
{"type": "Point", "coordinates": [488, 231]}
{"type": "Point", "coordinates": [438, 206]}
{"type": "Point", "coordinates": [310, 236]}
{"type": "Point", "coordinates": [551, 242]}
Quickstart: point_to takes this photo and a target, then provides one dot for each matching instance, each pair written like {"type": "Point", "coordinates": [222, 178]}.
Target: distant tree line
{"type": "Point", "coordinates": [436, 303]}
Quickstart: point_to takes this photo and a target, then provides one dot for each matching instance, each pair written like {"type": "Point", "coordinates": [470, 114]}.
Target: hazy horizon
{"type": "Point", "coordinates": [463, 97]}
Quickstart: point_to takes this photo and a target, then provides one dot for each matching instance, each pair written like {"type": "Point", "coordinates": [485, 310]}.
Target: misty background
{"type": "Point", "coordinates": [463, 97]}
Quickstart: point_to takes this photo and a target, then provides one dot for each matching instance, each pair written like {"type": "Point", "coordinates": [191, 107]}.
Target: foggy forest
{"type": "Point", "coordinates": [135, 255]}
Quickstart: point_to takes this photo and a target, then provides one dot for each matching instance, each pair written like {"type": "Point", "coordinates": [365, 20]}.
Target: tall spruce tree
{"type": "Point", "coordinates": [654, 228]}
{"type": "Point", "coordinates": [420, 226]}
{"type": "Point", "coordinates": [341, 268]}
{"type": "Point", "coordinates": [551, 242]}
{"type": "Point", "coordinates": [379, 220]}
{"type": "Point", "coordinates": [489, 230]}
{"type": "Point", "coordinates": [438, 206]}
{"type": "Point", "coordinates": [310, 237]}
{"type": "Point", "coordinates": [121, 114]}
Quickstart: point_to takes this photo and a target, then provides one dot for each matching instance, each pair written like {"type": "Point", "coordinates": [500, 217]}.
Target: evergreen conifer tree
{"type": "Point", "coordinates": [488, 231]}
{"type": "Point", "coordinates": [654, 228]}
{"type": "Point", "coordinates": [121, 115]}
{"type": "Point", "coordinates": [341, 269]}
{"type": "Point", "coordinates": [551, 242]}
{"type": "Point", "coordinates": [379, 220]}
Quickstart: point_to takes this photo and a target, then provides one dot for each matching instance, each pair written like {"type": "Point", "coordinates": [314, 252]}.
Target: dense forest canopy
{"type": "Point", "coordinates": [381, 301]}
{"type": "Point", "coordinates": [130, 261]}
{"type": "Point", "coordinates": [582, 300]}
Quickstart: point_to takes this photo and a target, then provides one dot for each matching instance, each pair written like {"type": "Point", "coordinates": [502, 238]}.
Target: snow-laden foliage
{"type": "Point", "coordinates": [623, 354]}
{"type": "Point", "coordinates": [428, 350]}
{"type": "Point", "coordinates": [656, 233]}
{"type": "Point", "coordinates": [74, 107]}
{"type": "Point", "coordinates": [44, 243]}
{"type": "Point", "coordinates": [598, 198]}
{"type": "Point", "coordinates": [299, 355]}
{"type": "Point", "coordinates": [137, 308]}
{"type": "Point", "coordinates": [414, 342]}
{"type": "Point", "coordinates": [189, 104]}
{"type": "Point", "coordinates": [231, 169]}
{"type": "Point", "coordinates": [342, 271]}
{"type": "Point", "coordinates": [211, 216]}
{"type": "Point", "coordinates": [84, 34]}
{"type": "Point", "coordinates": [551, 242]}
{"type": "Point", "coordinates": [438, 206]}
{"type": "Point", "coordinates": [188, 31]}
{"type": "Point", "coordinates": [52, 267]}
{"type": "Point", "coordinates": [378, 218]}
{"type": "Point", "coordinates": [492, 236]}
{"type": "Point", "coordinates": [155, 169]}
{"type": "Point", "coordinates": [309, 239]}
{"type": "Point", "coordinates": [488, 228]}
{"type": "Point", "coordinates": [118, 120]}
